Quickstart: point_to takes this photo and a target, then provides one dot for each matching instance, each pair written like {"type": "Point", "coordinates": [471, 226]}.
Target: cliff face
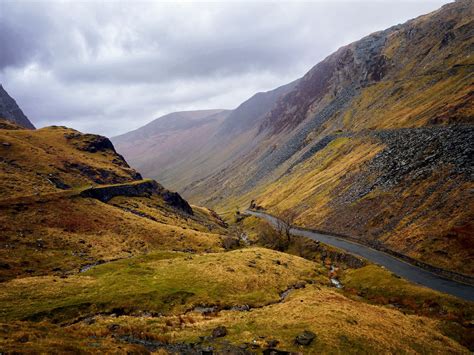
{"type": "Point", "coordinates": [9, 110]}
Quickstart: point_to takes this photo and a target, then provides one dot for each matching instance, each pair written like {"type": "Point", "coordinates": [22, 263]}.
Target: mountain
{"type": "Point", "coordinates": [9, 110]}
{"type": "Point", "coordinates": [162, 148]}
{"type": "Point", "coordinates": [374, 142]}
{"type": "Point", "coordinates": [184, 147]}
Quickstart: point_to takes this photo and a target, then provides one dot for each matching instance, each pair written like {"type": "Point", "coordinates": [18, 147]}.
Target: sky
{"type": "Point", "coordinates": [109, 67]}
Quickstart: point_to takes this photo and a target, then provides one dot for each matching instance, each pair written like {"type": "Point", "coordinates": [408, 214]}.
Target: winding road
{"type": "Point", "coordinates": [401, 268]}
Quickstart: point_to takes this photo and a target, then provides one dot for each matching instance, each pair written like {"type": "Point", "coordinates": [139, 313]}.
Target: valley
{"type": "Point", "coordinates": [374, 142]}
{"type": "Point", "coordinates": [333, 214]}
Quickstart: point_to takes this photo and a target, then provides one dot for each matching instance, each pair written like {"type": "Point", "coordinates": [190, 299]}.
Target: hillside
{"type": "Point", "coordinates": [183, 147]}
{"type": "Point", "coordinates": [95, 258]}
{"type": "Point", "coordinates": [163, 148]}
{"type": "Point", "coordinates": [374, 142]}
{"type": "Point", "coordinates": [10, 111]}
{"type": "Point", "coordinates": [53, 185]}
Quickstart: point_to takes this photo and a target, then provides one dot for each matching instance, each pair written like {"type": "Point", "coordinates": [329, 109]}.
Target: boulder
{"type": "Point", "coordinates": [272, 343]}
{"type": "Point", "coordinates": [219, 332]}
{"type": "Point", "coordinates": [305, 338]}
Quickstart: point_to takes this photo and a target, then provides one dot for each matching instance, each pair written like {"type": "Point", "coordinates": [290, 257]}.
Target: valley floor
{"type": "Point", "coordinates": [240, 301]}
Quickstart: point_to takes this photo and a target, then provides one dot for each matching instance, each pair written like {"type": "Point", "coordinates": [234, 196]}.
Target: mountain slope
{"type": "Point", "coordinates": [96, 259]}
{"type": "Point", "coordinates": [9, 110]}
{"type": "Point", "coordinates": [92, 251]}
{"type": "Point", "coordinates": [179, 150]}
{"type": "Point", "coordinates": [374, 142]}
{"type": "Point", "coordinates": [161, 148]}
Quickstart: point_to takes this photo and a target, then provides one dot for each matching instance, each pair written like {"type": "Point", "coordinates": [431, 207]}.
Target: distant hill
{"type": "Point", "coordinates": [9, 110]}
{"type": "Point", "coordinates": [184, 147]}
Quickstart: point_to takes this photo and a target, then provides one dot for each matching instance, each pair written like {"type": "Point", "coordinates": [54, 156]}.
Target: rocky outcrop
{"type": "Point", "coordinates": [91, 143]}
{"type": "Point", "coordinates": [174, 199]}
{"type": "Point", "coordinates": [139, 189]}
{"type": "Point", "coordinates": [412, 155]}
{"type": "Point", "coordinates": [10, 110]}
{"type": "Point", "coordinates": [101, 176]}
{"type": "Point", "coordinates": [145, 188]}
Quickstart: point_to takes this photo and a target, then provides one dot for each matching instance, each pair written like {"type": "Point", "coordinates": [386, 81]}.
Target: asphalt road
{"type": "Point", "coordinates": [401, 268]}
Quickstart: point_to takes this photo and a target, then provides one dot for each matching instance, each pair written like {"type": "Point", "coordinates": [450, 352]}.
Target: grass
{"type": "Point", "coordinates": [172, 284]}
{"type": "Point", "coordinates": [341, 326]}
{"type": "Point", "coordinates": [35, 154]}
{"type": "Point", "coordinates": [75, 232]}
{"type": "Point", "coordinates": [379, 286]}
{"type": "Point", "coordinates": [160, 282]}
{"type": "Point", "coordinates": [47, 338]}
{"type": "Point", "coordinates": [49, 231]}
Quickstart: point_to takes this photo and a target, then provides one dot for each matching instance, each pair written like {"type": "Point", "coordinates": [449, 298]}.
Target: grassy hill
{"type": "Point", "coordinates": [374, 142]}
{"type": "Point", "coordinates": [49, 226]}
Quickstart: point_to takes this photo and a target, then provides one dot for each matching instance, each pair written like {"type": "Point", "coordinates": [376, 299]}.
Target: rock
{"type": "Point", "coordinates": [94, 143]}
{"type": "Point", "coordinates": [4, 266]}
{"type": "Point", "coordinates": [305, 338]}
{"type": "Point", "coordinates": [242, 308]}
{"type": "Point", "coordinates": [229, 242]}
{"type": "Point", "coordinates": [113, 327]}
{"type": "Point", "coordinates": [175, 200]}
{"type": "Point", "coordinates": [54, 180]}
{"type": "Point", "coordinates": [23, 338]}
{"type": "Point", "coordinates": [276, 352]}
{"type": "Point", "coordinates": [252, 263]}
{"type": "Point", "coordinates": [219, 332]}
{"type": "Point", "coordinates": [89, 321]}
{"type": "Point", "coordinates": [300, 284]}
{"type": "Point", "coordinates": [272, 343]}
{"type": "Point", "coordinates": [10, 111]}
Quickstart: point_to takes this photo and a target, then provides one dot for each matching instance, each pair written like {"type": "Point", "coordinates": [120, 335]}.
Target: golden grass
{"type": "Point", "coordinates": [35, 154]}
{"type": "Point", "coordinates": [78, 231]}
{"type": "Point", "coordinates": [160, 282]}
{"type": "Point", "coordinates": [342, 326]}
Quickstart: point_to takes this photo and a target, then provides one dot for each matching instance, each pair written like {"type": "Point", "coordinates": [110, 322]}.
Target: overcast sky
{"type": "Point", "coordinates": [110, 67]}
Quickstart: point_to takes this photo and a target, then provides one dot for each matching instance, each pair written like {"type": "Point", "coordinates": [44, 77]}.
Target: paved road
{"type": "Point", "coordinates": [398, 267]}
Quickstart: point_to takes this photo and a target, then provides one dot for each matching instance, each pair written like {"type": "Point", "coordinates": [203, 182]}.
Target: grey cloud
{"type": "Point", "coordinates": [109, 67]}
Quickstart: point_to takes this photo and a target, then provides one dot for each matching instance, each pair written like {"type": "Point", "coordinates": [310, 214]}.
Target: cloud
{"type": "Point", "coordinates": [109, 67]}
